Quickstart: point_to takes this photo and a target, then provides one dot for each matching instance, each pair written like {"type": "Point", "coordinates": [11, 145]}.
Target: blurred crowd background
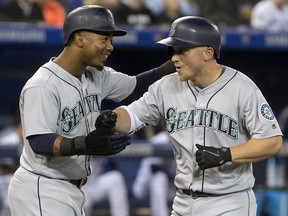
{"type": "Point", "coordinates": [140, 13]}
{"type": "Point", "coordinates": [268, 68]}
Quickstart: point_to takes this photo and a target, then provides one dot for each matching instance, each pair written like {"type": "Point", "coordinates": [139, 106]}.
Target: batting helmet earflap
{"type": "Point", "coordinates": [193, 31]}
{"type": "Point", "coordinates": [90, 17]}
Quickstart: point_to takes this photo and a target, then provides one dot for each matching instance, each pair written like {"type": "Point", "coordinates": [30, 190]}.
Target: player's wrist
{"type": "Point", "coordinates": [73, 146]}
{"type": "Point", "coordinates": [226, 154]}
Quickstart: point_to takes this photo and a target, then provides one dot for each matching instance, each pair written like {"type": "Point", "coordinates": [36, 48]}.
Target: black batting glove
{"type": "Point", "coordinates": [119, 142]}
{"type": "Point", "coordinates": [99, 142]}
{"type": "Point", "coordinates": [208, 156]}
{"type": "Point", "coordinates": [103, 140]}
{"type": "Point", "coordinates": [107, 119]}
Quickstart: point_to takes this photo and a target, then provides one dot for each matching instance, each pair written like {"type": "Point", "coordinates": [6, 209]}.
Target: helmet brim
{"type": "Point", "coordinates": [118, 32]}
{"type": "Point", "coordinates": [174, 42]}
{"type": "Point", "coordinates": [114, 30]}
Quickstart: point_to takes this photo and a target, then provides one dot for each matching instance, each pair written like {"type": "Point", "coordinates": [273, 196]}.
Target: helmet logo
{"type": "Point", "coordinates": [172, 29]}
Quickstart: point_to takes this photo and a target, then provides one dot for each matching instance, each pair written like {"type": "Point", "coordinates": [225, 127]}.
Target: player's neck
{"type": "Point", "coordinates": [66, 62]}
{"type": "Point", "coordinates": [210, 75]}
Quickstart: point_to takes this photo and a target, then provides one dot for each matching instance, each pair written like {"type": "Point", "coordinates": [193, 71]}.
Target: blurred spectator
{"type": "Point", "coordinates": [170, 13]}
{"type": "Point", "coordinates": [221, 12]}
{"type": "Point", "coordinates": [154, 178]}
{"type": "Point", "coordinates": [9, 136]}
{"type": "Point", "coordinates": [189, 7]}
{"type": "Point", "coordinates": [134, 13]}
{"type": "Point", "coordinates": [110, 4]}
{"type": "Point", "coordinates": [233, 13]}
{"type": "Point", "coordinates": [12, 134]}
{"type": "Point", "coordinates": [270, 15]}
{"type": "Point", "coordinates": [22, 11]}
{"type": "Point", "coordinates": [7, 168]}
{"type": "Point", "coordinates": [173, 10]}
{"type": "Point", "coordinates": [245, 13]}
{"type": "Point", "coordinates": [106, 184]}
{"type": "Point", "coordinates": [53, 12]}
{"type": "Point", "coordinates": [50, 12]}
{"type": "Point", "coordinates": [155, 6]}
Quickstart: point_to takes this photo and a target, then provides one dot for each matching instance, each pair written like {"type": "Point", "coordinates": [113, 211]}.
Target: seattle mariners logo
{"type": "Point", "coordinates": [172, 29]}
{"type": "Point", "coordinates": [208, 118]}
{"type": "Point", "coordinates": [71, 116]}
{"type": "Point", "coordinates": [266, 112]}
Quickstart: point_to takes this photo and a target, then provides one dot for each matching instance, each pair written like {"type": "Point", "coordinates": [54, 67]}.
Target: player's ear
{"type": "Point", "coordinates": [78, 39]}
{"type": "Point", "coordinates": [208, 53]}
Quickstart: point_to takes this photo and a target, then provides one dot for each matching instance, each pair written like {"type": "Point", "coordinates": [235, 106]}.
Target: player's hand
{"type": "Point", "coordinates": [208, 156]}
{"type": "Point", "coordinates": [107, 119]}
{"type": "Point", "coordinates": [119, 142]}
{"type": "Point", "coordinates": [103, 140]}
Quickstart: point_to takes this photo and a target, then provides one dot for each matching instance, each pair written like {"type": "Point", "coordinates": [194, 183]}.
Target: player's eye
{"type": "Point", "coordinates": [180, 51]}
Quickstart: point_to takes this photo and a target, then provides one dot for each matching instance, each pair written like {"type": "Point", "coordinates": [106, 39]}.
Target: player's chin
{"type": "Point", "coordinates": [182, 78]}
{"type": "Point", "coordinates": [98, 65]}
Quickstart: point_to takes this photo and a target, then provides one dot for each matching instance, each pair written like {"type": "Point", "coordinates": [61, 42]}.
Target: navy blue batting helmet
{"type": "Point", "coordinates": [90, 17]}
{"type": "Point", "coordinates": [193, 31]}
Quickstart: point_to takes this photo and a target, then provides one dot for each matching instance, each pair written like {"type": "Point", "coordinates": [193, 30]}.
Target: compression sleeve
{"type": "Point", "coordinates": [42, 144]}
{"type": "Point", "coordinates": [55, 145]}
{"type": "Point", "coordinates": [145, 79]}
{"type": "Point", "coordinates": [136, 124]}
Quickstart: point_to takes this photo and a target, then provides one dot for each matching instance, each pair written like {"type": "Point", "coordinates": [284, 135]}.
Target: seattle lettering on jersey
{"type": "Point", "coordinates": [207, 118]}
{"type": "Point", "coordinates": [70, 117]}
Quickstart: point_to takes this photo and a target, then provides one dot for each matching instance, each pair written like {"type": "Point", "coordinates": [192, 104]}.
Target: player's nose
{"type": "Point", "coordinates": [110, 47]}
{"type": "Point", "coordinates": [174, 58]}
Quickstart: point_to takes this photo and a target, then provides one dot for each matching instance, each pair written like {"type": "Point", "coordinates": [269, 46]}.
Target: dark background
{"type": "Point", "coordinates": [267, 68]}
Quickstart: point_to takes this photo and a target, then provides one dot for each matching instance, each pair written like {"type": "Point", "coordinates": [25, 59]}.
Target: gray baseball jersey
{"type": "Point", "coordinates": [228, 112]}
{"type": "Point", "coordinates": [58, 102]}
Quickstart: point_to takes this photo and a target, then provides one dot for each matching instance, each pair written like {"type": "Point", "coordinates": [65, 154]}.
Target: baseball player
{"type": "Point", "coordinates": [59, 105]}
{"type": "Point", "coordinates": [218, 121]}
{"type": "Point", "coordinates": [106, 183]}
{"type": "Point", "coordinates": [153, 177]}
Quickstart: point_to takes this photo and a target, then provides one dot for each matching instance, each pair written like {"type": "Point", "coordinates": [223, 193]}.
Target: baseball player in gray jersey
{"type": "Point", "coordinates": [59, 105]}
{"type": "Point", "coordinates": [218, 121]}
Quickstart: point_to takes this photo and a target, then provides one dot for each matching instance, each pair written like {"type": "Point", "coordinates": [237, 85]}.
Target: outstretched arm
{"type": "Point", "coordinates": [123, 123]}
{"type": "Point", "coordinates": [102, 141]}
{"type": "Point", "coordinates": [127, 121]}
{"type": "Point", "coordinates": [145, 79]}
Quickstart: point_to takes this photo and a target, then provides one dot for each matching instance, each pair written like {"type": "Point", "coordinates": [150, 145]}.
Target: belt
{"type": "Point", "coordinates": [78, 183]}
{"type": "Point", "coordinates": [194, 194]}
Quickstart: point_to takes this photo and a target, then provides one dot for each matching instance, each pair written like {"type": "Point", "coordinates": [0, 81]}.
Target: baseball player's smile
{"type": "Point", "coordinates": [105, 56]}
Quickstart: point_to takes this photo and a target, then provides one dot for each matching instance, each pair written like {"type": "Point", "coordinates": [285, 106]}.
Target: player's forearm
{"type": "Point", "coordinates": [256, 150]}
{"type": "Point", "coordinates": [123, 123]}
{"type": "Point", "coordinates": [56, 145]}
{"type": "Point", "coordinates": [145, 79]}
